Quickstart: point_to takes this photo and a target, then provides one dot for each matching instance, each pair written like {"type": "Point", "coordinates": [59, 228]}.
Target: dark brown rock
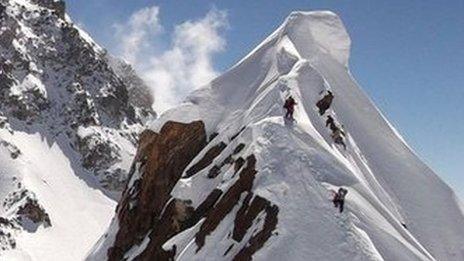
{"type": "Point", "coordinates": [246, 214]}
{"type": "Point", "coordinates": [227, 202]}
{"type": "Point", "coordinates": [257, 241]}
{"type": "Point", "coordinates": [164, 157]}
{"type": "Point", "coordinates": [214, 172]}
{"type": "Point", "coordinates": [34, 212]}
{"type": "Point", "coordinates": [239, 148]}
{"type": "Point", "coordinates": [238, 164]}
{"type": "Point", "coordinates": [212, 136]}
{"type": "Point", "coordinates": [206, 160]}
{"type": "Point", "coordinates": [172, 221]}
{"type": "Point", "coordinates": [206, 205]}
{"type": "Point", "coordinates": [238, 133]}
{"type": "Point", "coordinates": [147, 208]}
{"type": "Point", "coordinates": [5, 222]}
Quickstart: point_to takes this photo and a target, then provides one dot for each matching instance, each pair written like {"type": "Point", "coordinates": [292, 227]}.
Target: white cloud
{"type": "Point", "coordinates": [186, 65]}
{"type": "Point", "coordinates": [137, 35]}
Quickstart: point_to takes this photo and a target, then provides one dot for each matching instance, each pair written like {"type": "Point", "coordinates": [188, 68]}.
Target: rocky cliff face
{"type": "Point", "coordinates": [57, 83]}
{"type": "Point", "coordinates": [149, 213]}
{"type": "Point", "coordinates": [158, 166]}
{"type": "Point", "coordinates": [138, 91]}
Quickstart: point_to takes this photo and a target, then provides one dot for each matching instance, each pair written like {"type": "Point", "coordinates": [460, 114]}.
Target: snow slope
{"type": "Point", "coordinates": [397, 208]}
{"type": "Point", "coordinates": [78, 213]}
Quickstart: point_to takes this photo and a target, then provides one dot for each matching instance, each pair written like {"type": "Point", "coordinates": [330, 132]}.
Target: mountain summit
{"type": "Point", "coordinates": [225, 177]}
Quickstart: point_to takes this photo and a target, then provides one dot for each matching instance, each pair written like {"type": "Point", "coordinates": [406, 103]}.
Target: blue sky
{"type": "Point", "coordinates": [407, 55]}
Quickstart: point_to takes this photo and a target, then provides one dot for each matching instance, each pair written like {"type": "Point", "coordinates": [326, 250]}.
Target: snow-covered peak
{"type": "Point", "coordinates": [318, 32]}
{"type": "Point", "coordinates": [313, 34]}
{"type": "Point", "coordinates": [304, 37]}
{"type": "Point", "coordinates": [225, 177]}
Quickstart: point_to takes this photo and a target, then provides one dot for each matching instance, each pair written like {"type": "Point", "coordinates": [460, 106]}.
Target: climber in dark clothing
{"type": "Point", "coordinates": [324, 103]}
{"type": "Point", "coordinates": [330, 121]}
{"type": "Point", "coordinates": [339, 198]}
{"type": "Point", "coordinates": [334, 128]}
{"type": "Point", "coordinates": [290, 107]}
{"type": "Point", "coordinates": [337, 137]}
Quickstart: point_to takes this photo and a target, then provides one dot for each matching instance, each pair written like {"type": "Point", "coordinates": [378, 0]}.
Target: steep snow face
{"type": "Point", "coordinates": [69, 122]}
{"type": "Point", "coordinates": [262, 186]}
{"type": "Point", "coordinates": [77, 213]}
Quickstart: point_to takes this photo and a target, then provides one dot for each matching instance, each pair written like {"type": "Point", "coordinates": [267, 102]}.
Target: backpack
{"type": "Point", "coordinates": [342, 193]}
{"type": "Point", "coordinates": [289, 103]}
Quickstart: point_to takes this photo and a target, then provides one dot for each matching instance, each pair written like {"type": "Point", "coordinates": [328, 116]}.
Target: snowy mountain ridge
{"type": "Point", "coordinates": [225, 177]}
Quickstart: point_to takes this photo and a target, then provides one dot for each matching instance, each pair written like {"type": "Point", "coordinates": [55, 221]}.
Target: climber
{"type": "Point", "coordinates": [330, 122]}
{"type": "Point", "coordinates": [324, 103]}
{"type": "Point", "coordinates": [290, 107]}
{"type": "Point", "coordinates": [339, 198]}
{"type": "Point", "coordinates": [337, 137]}
{"type": "Point", "coordinates": [334, 127]}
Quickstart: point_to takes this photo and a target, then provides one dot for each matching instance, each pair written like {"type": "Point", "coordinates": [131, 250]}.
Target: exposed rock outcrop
{"type": "Point", "coordinates": [227, 202]}
{"type": "Point", "coordinates": [7, 228]}
{"type": "Point", "coordinates": [206, 160]}
{"type": "Point", "coordinates": [162, 157]}
{"type": "Point", "coordinates": [243, 221]}
{"type": "Point", "coordinates": [54, 80]}
{"type": "Point", "coordinates": [31, 211]}
{"type": "Point", "coordinates": [148, 209]}
{"type": "Point", "coordinates": [26, 213]}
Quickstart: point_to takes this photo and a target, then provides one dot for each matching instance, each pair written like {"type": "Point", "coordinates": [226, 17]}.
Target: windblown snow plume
{"type": "Point", "coordinates": [225, 177]}
{"type": "Point", "coordinates": [185, 65]}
